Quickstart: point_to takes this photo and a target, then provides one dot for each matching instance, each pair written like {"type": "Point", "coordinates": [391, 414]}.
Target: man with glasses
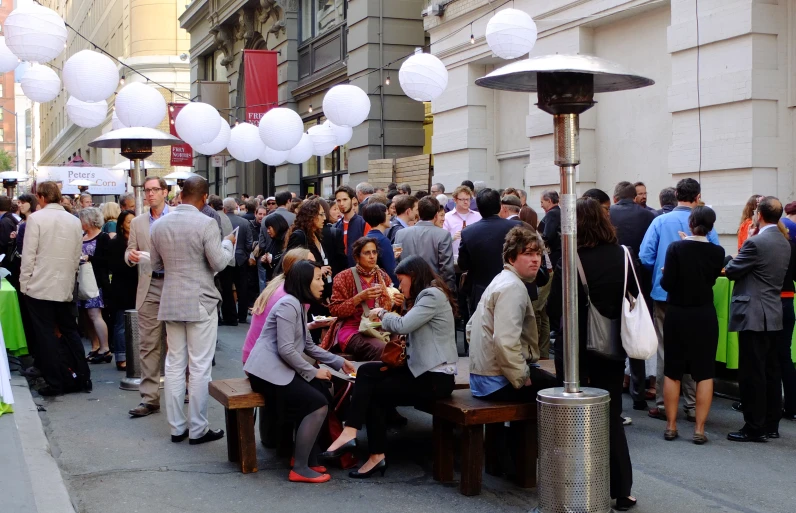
{"type": "Point", "coordinates": [147, 299]}
{"type": "Point", "coordinates": [461, 216]}
{"type": "Point", "coordinates": [270, 204]}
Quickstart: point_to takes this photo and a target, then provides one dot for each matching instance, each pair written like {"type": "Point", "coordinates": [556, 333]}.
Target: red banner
{"type": "Point", "coordinates": [181, 154]}
{"type": "Point", "coordinates": [262, 94]}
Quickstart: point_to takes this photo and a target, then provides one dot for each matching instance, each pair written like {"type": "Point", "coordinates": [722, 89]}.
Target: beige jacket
{"type": "Point", "coordinates": [51, 254]}
{"type": "Point", "coordinates": [502, 331]}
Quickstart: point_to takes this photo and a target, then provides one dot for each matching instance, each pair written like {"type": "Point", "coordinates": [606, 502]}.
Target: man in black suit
{"type": "Point", "coordinates": [756, 314]}
{"type": "Point", "coordinates": [481, 249]}
{"type": "Point", "coordinates": [631, 221]}
{"type": "Point", "coordinates": [550, 228]}
{"type": "Point", "coordinates": [236, 273]}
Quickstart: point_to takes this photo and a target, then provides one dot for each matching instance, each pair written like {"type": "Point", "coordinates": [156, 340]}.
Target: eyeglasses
{"type": "Point", "coordinates": [270, 202]}
{"type": "Point", "coordinates": [466, 198]}
{"type": "Point", "coordinates": [322, 214]}
{"type": "Point", "coordinates": [152, 190]}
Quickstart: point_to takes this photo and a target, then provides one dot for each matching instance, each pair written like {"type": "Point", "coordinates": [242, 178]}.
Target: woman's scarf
{"type": "Point", "coordinates": [384, 301]}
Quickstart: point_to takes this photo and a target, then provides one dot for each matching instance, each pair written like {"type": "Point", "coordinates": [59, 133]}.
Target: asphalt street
{"type": "Point", "coordinates": [114, 464]}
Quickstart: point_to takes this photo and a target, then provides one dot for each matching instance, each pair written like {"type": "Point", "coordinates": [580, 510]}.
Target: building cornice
{"type": "Point", "coordinates": [194, 14]}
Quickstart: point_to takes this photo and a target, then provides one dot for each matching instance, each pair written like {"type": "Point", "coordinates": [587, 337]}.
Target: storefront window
{"type": "Point", "coordinates": [320, 16]}
{"type": "Point", "coordinates": [322, 175]}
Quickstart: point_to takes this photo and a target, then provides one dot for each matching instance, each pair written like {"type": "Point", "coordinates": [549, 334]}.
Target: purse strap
{"type": "Point", "coordinates": [582, 274]}
{"type": "Point", "coordinates": [629, 262]}
{"type": "Point", "coordinates": [358, 284]}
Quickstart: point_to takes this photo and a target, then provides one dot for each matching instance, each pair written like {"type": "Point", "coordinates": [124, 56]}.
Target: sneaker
{"type": "Point", "coordinates": [626, 421]}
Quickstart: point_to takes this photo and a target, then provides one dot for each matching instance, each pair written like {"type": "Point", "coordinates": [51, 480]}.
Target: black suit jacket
{"type": "Point", "coordinates": [244, 242]}
{"type": "Point", "coordinates": [550, 228]}
{"type": "Point", "coordinates": [631, 222]}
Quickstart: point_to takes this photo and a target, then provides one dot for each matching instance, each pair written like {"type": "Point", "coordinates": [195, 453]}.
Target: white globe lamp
{"type": "Point", "coordinates": [302, 152]}
{"type": "Point", "coordinates": [323, 140]}
{"type": "Point", "coordinates": [90, 76]}
{"type": "Point", "coordinates": [281, 129]}
{"type": "Point", "coordinates": [511, 33]}
{"type": "Point", "coordinates": [217, 144]}
{"type": "Point", "coordinates": [197, 123]}
{"type": "Point", "coordinates": [423, 77]}
{"type": "Point", "coordinates": [41, 84]}
{"type": "Point", "coordinates": [86, 114]}
{"type": "Point", "coordinates": [35, 33]}
{"type": "Point", "coordinates": [342, 133]}
{"type": "Point", "coordinates": [139, 105]}
{"type": "Point", "coordinates": [244, 143]}
{"type": "Point", "coordinates": [272, 157]}
{"type": "Point", "coordinates": [116, 124]}
{"type": "Point", "coordinates": [8, 61]}
{"type": "Point", "coordinates": [346, 105]}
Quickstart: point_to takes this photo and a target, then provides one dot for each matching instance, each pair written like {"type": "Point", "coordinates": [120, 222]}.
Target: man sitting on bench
{"type": "Point", "coordinates": [504, 344]}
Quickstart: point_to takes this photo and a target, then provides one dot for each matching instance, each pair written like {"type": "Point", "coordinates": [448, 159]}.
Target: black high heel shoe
{"type": "Point", "coordinates": [379, 467]}
{"type": "Point", "coordinates": [347, 447]}
{"type": "Point", "coordinates": [625, 503]}
{"type": "Point", "coordinates": [91, 354]}
{"type": "Point", "coordinates": [102, 357]}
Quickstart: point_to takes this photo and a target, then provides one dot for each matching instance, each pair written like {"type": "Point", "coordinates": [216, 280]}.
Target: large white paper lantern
{"type": "Point", "coordinates": [140, 105]}
{"type": "Point", "coordinates": [197, 123]}
{"type": "Point", "coordinates": [423, 77]}
{"type": "Point", "coordinates": [244, 143]}
{"type": "Point", "coordinates": [90, 76]}
{"type": "Point", "coordinates": [302, 152]}
{"type": "Point", "coordinates": [35, 33]}
{"type": "Point", "coordinates": [41, 84]}
{"type": "Point", "coordinates": [346, 105]}
{"type": "Point", "coordinates": [8, 61]}
{"type": "Point", "coordinates": [272, 157]}
{"type": "Point", "coordinates": [511, 33]}
{"type": "Point", "coordinates": [343, 133]}
{"type": "Point", "coordinates": [86, 114]}
{"type": "Point", "coordinates": [116, 123]}
{"type": "Point", "coordinates": [281, 129]}
{"type": "Point", "coordinates": [323, 140]}
{"type": "Point", "coordinates": [217, 144]}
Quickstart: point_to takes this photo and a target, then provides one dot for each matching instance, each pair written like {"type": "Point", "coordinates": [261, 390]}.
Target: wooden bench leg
{"type": "Point", "coordinates": [527, 452]}
{"type": "Point", "coordinates": [246, 445]}
{"type": "Point", "coordinates": [231, 419]}
{"type": "Point", "coordinates": [472, 459]}
{"type": "Point", "coordinates": [443, 450]}
{"type": "Point", "coordinates": [491, 448]}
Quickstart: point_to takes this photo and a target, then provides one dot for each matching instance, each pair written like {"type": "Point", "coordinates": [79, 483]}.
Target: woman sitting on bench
{"type": "Point", "coordinates": [428, 373]}
{"type": "Point", "coordinates": [277, 370]}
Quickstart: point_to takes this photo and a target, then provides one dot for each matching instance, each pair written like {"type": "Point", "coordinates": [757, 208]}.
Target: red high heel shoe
{"type": "Point", "coordinates": [297, 478]}
{"type": "Point", "coordinates": [319, 469]}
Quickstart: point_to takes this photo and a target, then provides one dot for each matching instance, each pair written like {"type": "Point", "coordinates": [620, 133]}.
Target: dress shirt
{"type": "Point", "coordinates": [152, 218]}
{"type": "Point", "coordinates": [453, 224]}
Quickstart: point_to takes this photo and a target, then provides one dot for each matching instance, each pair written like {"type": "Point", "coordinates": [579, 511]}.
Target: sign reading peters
{"type": "Point", "coordinates": [108, 181]}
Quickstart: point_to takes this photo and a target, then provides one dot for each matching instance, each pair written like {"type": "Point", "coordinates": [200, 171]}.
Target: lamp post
{"type": "Point", "coordinates": [573, 421]}
{"type": "Point", "coordinates": [10, 180]}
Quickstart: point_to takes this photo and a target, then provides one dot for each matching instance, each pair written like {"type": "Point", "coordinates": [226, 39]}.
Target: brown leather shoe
{"type": "Point", "coordinates": [143, 409]}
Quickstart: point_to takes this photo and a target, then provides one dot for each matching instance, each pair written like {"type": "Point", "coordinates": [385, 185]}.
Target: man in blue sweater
{"type": "Point", "coordinates": [663, 231]}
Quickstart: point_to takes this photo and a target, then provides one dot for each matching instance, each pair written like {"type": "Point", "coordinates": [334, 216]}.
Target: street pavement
{"type": "Point", "coordinates": [114, 464]}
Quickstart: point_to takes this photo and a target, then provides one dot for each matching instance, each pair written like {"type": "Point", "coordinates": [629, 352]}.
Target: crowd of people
{"type": "Point", "coordinates": [341, 278]}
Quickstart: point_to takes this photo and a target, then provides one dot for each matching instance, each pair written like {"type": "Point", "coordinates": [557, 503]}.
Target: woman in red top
{"type": "Point", "coordinates": [746, 218]}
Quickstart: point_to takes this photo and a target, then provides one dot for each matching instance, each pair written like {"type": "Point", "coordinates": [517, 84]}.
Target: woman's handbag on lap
{"type": "Point", "coordinates": [638, 331]}
{"type": "Point", "coordinates": [394, 354]}
{"type": "Point", "coordinates": [603, 334]}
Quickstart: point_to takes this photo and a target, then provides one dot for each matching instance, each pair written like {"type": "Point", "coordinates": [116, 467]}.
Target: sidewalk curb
{"type": "Point", "coordinates": [49, 489]}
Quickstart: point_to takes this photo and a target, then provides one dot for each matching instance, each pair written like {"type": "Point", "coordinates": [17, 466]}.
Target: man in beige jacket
{"type": "Point", "coordinates": [50, 258]}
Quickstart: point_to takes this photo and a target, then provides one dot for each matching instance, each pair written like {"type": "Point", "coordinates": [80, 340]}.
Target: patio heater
{"type": "Point", "coordinates": [573, 421]}
{"type": "Point", "coordinates": [180, 177]}
{"type": "Point", "coordinates": [82, 185]}
{"type": "Point", "coordinates": [10, 180]}
{"type": "Point", "coordinates": [136, 144]}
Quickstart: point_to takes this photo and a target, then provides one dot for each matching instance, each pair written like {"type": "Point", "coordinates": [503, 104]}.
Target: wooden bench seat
{"type": "Point", "coordinates": [239, 401]}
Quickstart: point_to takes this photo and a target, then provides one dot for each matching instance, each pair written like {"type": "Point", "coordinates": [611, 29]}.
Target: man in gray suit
{"type": "Point", "coordinates": [756, 314]}
{"type": "Point", "coordinates": [188, 249]}
{"type": "Point", "coordinates": [235, 273]}
{"type": "Point", "coordinates": [432, 244]}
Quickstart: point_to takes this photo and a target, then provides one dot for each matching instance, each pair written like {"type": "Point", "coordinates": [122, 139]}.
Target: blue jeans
{"type": "Point", "coordinates": [119, 346]}
{"type": "Point", "coordinates": [261, 276]}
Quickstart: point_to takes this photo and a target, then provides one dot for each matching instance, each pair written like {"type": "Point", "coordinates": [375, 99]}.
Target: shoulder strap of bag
{"type": "Point", "coordinates": [629, 262]}
{"type": "Point", "coordinates": [358, 284]}
{"type": "Point", "coordinates": [582, 274]}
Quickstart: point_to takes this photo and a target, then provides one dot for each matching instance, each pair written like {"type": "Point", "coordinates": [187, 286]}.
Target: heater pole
{"type": "Point", "coordinates": [137, 181]}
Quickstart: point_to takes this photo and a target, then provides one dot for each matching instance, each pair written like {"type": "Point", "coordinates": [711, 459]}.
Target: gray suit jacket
{"type": "Point", "coordinates": [289, 216]}
{"type": "Point", "coordinates": [187, 247]}
{"type": "Point", "coordinates": [276, 356]}
{"type": "Point", "coordinates": [432, 244]}
{"type": "Point", "coordinates": [429, 331]}
{"type": "Point", "coordinates": [244, 247]}
{"type": "Point", "coordinates": [759, 272]}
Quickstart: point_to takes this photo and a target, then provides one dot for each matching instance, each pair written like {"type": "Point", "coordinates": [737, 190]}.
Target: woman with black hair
{"type": "Point", "coordinates": [307, 233]}
{"type": "Point", "coordinates": [691, 327]}
{"type": "Point", "coordinates": [429, 369]}
{"type": "Point", "coordinates": [277, 369]}
{"type": "Point", "coordinates": [277, 227]}
{"type": "Point", "coordinates": [124, 284]}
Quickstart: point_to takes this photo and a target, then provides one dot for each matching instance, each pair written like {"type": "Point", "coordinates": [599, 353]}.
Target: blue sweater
{"type": "Point", "coordinates": [662, 232]}
{"type": "Point", "coordinates": [386, 256]}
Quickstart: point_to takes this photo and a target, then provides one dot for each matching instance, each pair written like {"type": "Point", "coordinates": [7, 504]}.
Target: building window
{"type": "Point", "coordinates": [1, 114]}
{"type": "Point", "coordinates": [2, 135]}
{"type": "Point", "coordinates": [322, 175]}
{"type": "Point", "coordinates": [214, 71]}
{"type": "Point", "coordinates": [320, 16]}
{"type": "Point", "coordinates": [1, 90]}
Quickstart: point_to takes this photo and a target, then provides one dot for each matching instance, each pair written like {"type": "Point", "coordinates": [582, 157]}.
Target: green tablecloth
{"type": "Point", "coordinates": [11, 320]}
{"type": "Point", "coordinates": [727, 351]}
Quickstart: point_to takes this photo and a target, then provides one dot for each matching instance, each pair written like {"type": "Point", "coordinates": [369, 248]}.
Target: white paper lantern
{"type": "Point", "coordinates": [217, 144]}
{"type": "Point", "coordinates": [244, 143]}
{"type": "Point", "coordinates": [140, 105]}
{"type": "Point", "coordinates": [35, 33]}
{"type": "Point", "coordinates": [90, 76]}
{"type": "Point", "coordinates": [8, 61]}
{"type": "Point", "coordinates": [116, 123]}
{"type": "Point", "coordinates": [86, 114]}
{"type": "Point", "coordinates": [346, 105]}
{"type": "Point", "coordinates": [197, 123]}
{"type": "Point", "coordinates": [323, 140]}
{"type": "Point", "coordinates": [41, 84]}
{"type": "Point", "coordinates": [342, 133]}
{"type": "Point", "coordinates": [302, 152]}
{"type": "Point", "coordinates": [423, 77]}
{"type": "Point", "coordinates": [511, 33]}
{"type": "Point", "coordinates": [272, 157]}
{"type": "Point", "coordinates": [281, 129]}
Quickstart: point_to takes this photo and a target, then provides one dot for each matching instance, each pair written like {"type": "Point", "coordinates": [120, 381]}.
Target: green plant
{"type": "Point", "coordinates": [7, 162]}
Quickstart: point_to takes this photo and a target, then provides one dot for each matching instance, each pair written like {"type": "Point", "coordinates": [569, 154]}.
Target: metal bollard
{"type": "Point", "coordinates": [132, 343]}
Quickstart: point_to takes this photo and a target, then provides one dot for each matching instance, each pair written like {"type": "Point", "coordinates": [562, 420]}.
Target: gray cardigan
{"type": "Point", "coordinates": [429, 331]}
{"type": "Point", "coordinates": [276, 356]}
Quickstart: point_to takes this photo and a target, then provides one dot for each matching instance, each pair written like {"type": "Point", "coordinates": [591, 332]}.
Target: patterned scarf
{"type": "Point", "coordinates": [384, 301]}
{"type": "Point", "coordinates": [362, 272]}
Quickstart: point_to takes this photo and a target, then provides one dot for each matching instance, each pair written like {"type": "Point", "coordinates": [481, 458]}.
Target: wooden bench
{"type": "Point", "coordinates": [239, 401]}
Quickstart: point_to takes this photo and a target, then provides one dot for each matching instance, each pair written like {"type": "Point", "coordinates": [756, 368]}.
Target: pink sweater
{"type": "Point", "coordinates": [258, 321]}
